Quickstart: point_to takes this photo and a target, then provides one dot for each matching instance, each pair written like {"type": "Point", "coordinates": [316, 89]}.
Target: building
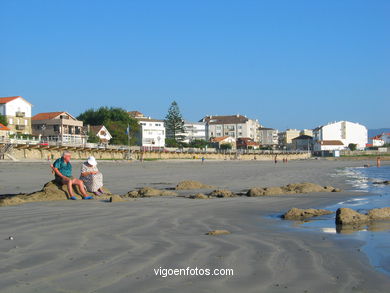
{"type": "Point", "coordinates": [218, 142]}
{"type": "Point", "coordinates": [302, 143]}
{"type": "Point", "coordinates": [232, 125]}
{"type": "Point", "coordinates": [380, 140]}
{"type": "Point", "coordinates": [59, 127]}
{"type": "Point", "coordinates": [328, 145]}
{"type": "Point", "coordinates": [101, 132]}
{"type": "Point", "coordinates": [344, 131]}
{"type": "Point", "coordinates": [18, 114]}
{"type": "Point", "coordinates": [267, 136]}
{"type": "Point", "coordinates": [193, 131]}
{"type": "Point", "coordinates": [247, 143]}
{"type": "Point", "coordinates": [308, 132]}
{"type": "Point", "coordinates": [285, 138]}
{"type": "Point", "coordinates": [151, 131]}
{"type": "Point", "coordinates": [4, 132]}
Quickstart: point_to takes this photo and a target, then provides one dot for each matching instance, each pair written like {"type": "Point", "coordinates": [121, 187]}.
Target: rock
{"type": "Point", "coordinates": [293, 188]}
{"type": "Point", "coordinates": [199, 196]}
{"type": "Point", "coordinates": [218, 232]}
{"type": "Point", "coordinates": [387, 182]}
{"type": "Point", "coordinates": [50, 191]}
{"type": "Point", "coordinates": [299, 214]}
{"type": "Point", "coordinates": [189, 184]}
{"type": "Point", "coordinates": [221, 193]}
{"type": "Point", "coordinates": [379, 214]}
{"type": "Point", "coordinates": [149, 192]}
{"type": "Point", "coordinates": [347, 216]}
{"type": "Point", "coordinates": [115, 198]}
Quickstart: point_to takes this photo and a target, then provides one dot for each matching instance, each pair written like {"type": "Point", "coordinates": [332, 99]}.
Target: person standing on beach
{"type": "Point", "coordinates": [63, 175]}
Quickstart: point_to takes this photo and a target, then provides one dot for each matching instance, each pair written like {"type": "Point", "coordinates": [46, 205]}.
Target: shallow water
{"type": "Point", "coordinates": [376, 236]}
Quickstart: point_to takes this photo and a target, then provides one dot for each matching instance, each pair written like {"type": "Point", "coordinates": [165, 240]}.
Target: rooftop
{"type": "Point", "coordinates": [6, 100]}
{"type": "Point", "coordinates": [49, 115]}
{"type": "Point", "coordinates": [4, 128]}
{"type": "Point", "coordinates": [228, 119]}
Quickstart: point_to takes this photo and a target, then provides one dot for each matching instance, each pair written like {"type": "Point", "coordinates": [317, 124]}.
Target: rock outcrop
{"type": "Point", "coordinates": [218, 232]}
{"type": "Point", "coordinates": [386, 182]}
{"type": "Point", "coordinates": [347, 216]}
{"type": "Point", "coordinates": [50, 191]}
{"type": "Point", "coordinates": [300, 214]}
{"type": "Point", "coordinates": [199, 196]}
{"type": "Point", "coordinates": [189, 184]}
{"type": "Point", "coordinates": [293, 188]}
{"type": "Point", "coordinates": [149, 192]}
{"type": "Point", "coordinates": [222, 193]}
{"type": "Point", "coordinates": [379, 214]}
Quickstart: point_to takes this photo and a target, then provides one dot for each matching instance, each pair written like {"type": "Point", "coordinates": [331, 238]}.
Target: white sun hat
{"type": "Point", "coordinates": [92, 161]}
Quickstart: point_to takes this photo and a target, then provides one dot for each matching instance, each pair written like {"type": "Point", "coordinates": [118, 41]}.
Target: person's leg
{"type": "Point", "coordinates": [80, 184]}
{"type": "Point", "coordinates": [68, 183]}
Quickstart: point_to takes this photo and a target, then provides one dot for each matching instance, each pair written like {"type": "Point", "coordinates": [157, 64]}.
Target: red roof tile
{"type": "Point", "coordinates": [5, 100]}
{"type": "Point", "coordinates": [4, 128]}
{"type": "Point", "coordinates": [46, 116]}
{"type": "Point", "coordinates": [331, 142]}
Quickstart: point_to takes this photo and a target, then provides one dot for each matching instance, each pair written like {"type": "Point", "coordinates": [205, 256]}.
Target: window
{"type": "Point", "coordinates": [218, 127]}
{"type": "Point", "coordinates": [25, 122]}
{"type": "Point", "coordinates": [56, 128]}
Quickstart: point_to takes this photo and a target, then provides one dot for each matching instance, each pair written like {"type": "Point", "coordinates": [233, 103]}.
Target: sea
{"type": "Point", "coordinates": [375, 236]}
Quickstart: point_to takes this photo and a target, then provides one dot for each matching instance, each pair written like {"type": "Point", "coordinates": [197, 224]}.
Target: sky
{"type": "Point", "coordinates": [289, 64]}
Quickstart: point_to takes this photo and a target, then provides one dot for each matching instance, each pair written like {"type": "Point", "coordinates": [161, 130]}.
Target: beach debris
{"type": "Point", "coordinates": [300, 214]}
{"type": "Point", "coordinates": [293, 188]}
{"type": "Point", "coordinates": [199, 196]}
{"type": "Point", "coordinates": [218, 232]}
{"type": "Point", "coordinates": [149, 192]}
{"type": "Point", "coordinates": [11, 238]}
{"type": "Point", "coordinates": [221, 193]}
{"type": "Point", "coordinates": [190, 184]}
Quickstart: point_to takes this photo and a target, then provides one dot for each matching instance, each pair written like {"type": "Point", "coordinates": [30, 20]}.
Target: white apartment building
{"type": "Point", "coordinates": [193, 131]}
{"type": "Point", "coordinates": [344, 131]}
{"type": "Point", "coordinates": [18, 114]}
{"type": "Point", "coordinates": [151, 131]}
{"type": "Point", "coordinates": [267, 136]}
{"type": "Point", "coordinates": [231, 125]}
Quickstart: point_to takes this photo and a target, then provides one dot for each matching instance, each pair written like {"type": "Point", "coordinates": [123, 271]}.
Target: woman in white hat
{"type": "Point", "coordinates": [92, 178]}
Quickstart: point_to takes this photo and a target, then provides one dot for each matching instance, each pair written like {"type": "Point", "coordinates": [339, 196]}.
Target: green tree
{"type": "Point", "coordinates": [352, 146]}
{"type": "Point", "coordinates": [3, 120]}
{"type": "Point", "coordinates": [115, 120]}
{"type": "Point", "coordinates": [199, 143]}
{"type": "Point", "coordinates": [225, 146]}
{"type": "Point", "coordinates": [174, 122]}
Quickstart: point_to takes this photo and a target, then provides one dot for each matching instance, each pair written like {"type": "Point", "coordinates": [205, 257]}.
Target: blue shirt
{"type": "Point", "coordinates": [64, 168]}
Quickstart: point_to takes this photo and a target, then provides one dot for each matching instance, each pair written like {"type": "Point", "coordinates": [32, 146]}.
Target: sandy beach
{"type": "Point", "coordinates": [93, 246]}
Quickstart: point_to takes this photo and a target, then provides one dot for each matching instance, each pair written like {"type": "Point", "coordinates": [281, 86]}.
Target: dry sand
{"type": "Point", "coordinates": [91, 246]}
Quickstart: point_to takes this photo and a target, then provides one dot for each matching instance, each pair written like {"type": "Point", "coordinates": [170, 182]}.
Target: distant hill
{"type": "Point", "coordinates": [373, 132]}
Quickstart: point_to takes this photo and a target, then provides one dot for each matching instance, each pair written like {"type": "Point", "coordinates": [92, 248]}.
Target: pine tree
{"type": "Point", "coordinates": [174, 122]}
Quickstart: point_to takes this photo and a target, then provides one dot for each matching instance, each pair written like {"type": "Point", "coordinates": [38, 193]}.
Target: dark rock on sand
{"type": "Point", "coordinates": [199, 196]}
{"type": "Point", "coordinates": [149, 192]}
{"type": "Point", "coordinates": [305, 187]}
{"type": "Point", "coordinates": [387, 182]}
{"type": "Point", "coordinates": [300, 214]}
{"type": "Point", "coordinates": [189, 184]}
{"type": "Point", "coordinates": [222, 193]}
{"type": "Point", "coordinates": [218, 232]}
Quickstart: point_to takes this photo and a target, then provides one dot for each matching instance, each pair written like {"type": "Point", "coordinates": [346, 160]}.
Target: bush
{"type": "Point", "coordinates": [352, 146]}
{"type": "Point", "coordinates": [225, 146]}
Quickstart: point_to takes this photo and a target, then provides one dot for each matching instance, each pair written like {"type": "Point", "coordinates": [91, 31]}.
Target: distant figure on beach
{"type": "Point", "coordinates": [92, 178]}
{"type": "Point", "coordinates": [378, 161]}
{"type": "Point", "coordinates": [203, 159]}
{"type": "Point", "coordinates": [63, 175]}
{"type": "Point", "coordinates": [276, 159]}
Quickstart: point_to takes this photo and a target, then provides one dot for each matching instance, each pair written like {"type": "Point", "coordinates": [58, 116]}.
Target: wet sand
{"type": "Point", "coordinates": [90, 246]}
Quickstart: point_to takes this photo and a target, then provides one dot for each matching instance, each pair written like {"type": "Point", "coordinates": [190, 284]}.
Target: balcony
{"type": "Point", "coordinates": [20, 127]}
{"type": "Point", "coordinates": [20, 114]}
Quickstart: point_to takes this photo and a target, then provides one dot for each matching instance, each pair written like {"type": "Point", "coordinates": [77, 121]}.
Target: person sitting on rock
{"type": "Point", "coordinates": [63, 175]}
{"type": "Point", "coordinates": [92, 178]}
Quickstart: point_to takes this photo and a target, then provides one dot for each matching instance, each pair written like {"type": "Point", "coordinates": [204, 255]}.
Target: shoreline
{"type": "Point", "coordinates": [114, 247]}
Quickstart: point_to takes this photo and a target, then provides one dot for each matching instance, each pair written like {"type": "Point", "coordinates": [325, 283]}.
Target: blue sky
{"type": "Point", "coordinates": [291, 63]}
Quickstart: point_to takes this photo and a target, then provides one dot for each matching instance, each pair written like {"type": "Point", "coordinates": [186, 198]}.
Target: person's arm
{"type": "Point", "coordinates": [88, 173]}
{"type": "Point", "coordinates": [58, 173]}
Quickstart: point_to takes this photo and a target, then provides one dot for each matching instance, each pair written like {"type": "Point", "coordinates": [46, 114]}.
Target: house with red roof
{"type": "Point", "coordinates": [217, 142]}
{"type": "Point", "coordinates": [60, 127]}
{"type": "Point", "coordinates": [17, 111]}
{"type": "Point", "coordinates": [4, 132]}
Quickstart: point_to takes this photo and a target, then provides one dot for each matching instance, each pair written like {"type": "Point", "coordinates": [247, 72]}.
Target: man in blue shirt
{"type": "Point", "coordinates": [63, 175]}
